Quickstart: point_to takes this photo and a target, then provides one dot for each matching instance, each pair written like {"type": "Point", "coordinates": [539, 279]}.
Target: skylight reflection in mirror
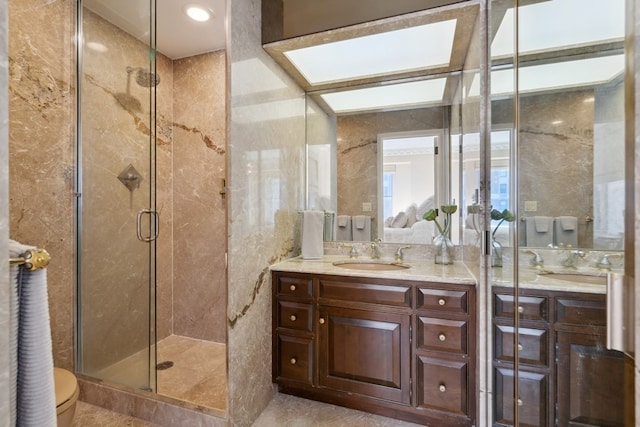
{"type": "Point", "coordinates": [407, 49]}
{"type": "Point", "coordinates": [595, 21]}
{"type": "Point", "coordinates": [395, 96]}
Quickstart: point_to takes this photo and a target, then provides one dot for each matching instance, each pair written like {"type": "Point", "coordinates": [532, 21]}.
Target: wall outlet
{"type": "Point", "coordinates": [366, 207]}
{"type": "Point", "coordinates": [530, 206]}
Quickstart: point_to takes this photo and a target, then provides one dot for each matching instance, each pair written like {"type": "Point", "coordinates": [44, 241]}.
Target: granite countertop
{"type": "Point", "coordinates": [458, 272]}
{"type": "Point", "coordinates": [418, 270]}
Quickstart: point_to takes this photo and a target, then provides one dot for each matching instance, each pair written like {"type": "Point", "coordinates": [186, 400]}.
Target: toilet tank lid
{"type": "Point", "coordinates": [66, 385]}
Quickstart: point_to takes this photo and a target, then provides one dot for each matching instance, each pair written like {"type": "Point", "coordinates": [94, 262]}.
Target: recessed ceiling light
{"type": "Point", "coordinates": [557, 122]}
{"type": "Point", "coordinates": [98, 47]}
{"type": "Point", "coordinates": [589, 100]}
{"type": "Point", "coordinates": [197, 13]}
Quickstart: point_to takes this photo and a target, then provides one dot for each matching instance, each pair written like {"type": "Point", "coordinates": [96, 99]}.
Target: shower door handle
{"type": "Point", "coordinates": [156, 221]}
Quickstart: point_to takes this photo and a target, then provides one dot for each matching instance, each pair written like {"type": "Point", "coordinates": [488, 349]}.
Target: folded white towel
{"type": "Point", "coordinates": [312, 233]}
{"type": "Point", "coordinates": [568, 223]}
{"type": "Point", "coordinates": [543, 223]}
{"type": "Point", "coordinates": [536, 238]}
{"type": "Point", "coordinates": [362, 228]}
{"type": "Point", "coordinates": [343, 220]}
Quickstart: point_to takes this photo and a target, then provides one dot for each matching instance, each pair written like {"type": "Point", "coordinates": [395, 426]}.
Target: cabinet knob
{"type": "Point", "coordinates": [442, 337]}
{"type": "Point", "coordinates": [292, 287]}
{"type": "Point", "coordinates": [520, 402]}
{"type": "Point", "coordinates": [520, 347]}
{"type": "Point", "coordinates": [520, 309]}
{"type": "Point", "coordinates": [293, 317]}
{"type": "Point", "coordinates": [442, 301]}
{"type": "Point", "coordinates": [442, 388]}
{"type": "Point", "coordinates": [321, 320]}
{"type": "Point", "coordinates": [293, 361]}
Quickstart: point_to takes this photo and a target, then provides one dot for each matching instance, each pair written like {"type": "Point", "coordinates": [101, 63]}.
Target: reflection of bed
{"type": "Point", "coordinates": [420, 232]}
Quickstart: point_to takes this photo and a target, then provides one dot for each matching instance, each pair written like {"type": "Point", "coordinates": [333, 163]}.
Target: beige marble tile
{"type": "Point", "coordinates": [90, 415]}
{"type": "Point", "coordinates": [290, 411]}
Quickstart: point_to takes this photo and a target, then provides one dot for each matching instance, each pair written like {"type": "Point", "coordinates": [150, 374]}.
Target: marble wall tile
{"type": "Point", "coordinates": [199, 169]}
{"type": "Point", "coordinates": [357, 150]}
{"type": "Point", "coordinates": [5, 359]}
{"type": "Point", "coordinates": [266, 166]}
{"type": "Point", "coordinates": [41, 148]}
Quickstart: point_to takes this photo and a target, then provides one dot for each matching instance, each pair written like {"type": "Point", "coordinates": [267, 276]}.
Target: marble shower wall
{"type": "Point", "coordinates": [199, 167]}
{"type": "Point", "coordinates": [41, 148]}
{"type": "Point", "coordinates": [266, 170]}
{"type": "Point", "coordinates": [357, 147]}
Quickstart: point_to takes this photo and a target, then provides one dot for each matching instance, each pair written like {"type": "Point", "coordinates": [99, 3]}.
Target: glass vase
{"type": "Point", "coordinates": [496, 253]}
{"type": "Point", "coordinates": [443, 249]}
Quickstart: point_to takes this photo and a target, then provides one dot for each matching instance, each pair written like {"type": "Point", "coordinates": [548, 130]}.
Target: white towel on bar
{"type": "Point", "coordinates": [566, 231]}
{"type": "Point", "coordinates": [344, 228]}
{"type": "Point", "coordinates": [35, 397]}
{"type": "Point", "coordinates": [361, 228]}
{"type": "Point", "coordinates": [539, 231]}
{"type": "Point", "coordinates": [312, 233]}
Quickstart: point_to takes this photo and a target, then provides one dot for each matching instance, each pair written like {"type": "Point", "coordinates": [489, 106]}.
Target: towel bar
{"type": "Point", "coordinates": [32, 259]}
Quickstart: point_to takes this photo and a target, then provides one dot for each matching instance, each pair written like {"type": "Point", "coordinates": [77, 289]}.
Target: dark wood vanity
{"type": "Point", "coordinates": [400, 348]}
{"type": "Point", "coordinates": [567, 377]}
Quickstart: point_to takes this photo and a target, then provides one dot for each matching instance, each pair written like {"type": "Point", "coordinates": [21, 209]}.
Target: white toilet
{"type": "Point", "coordinates": [67, 392]}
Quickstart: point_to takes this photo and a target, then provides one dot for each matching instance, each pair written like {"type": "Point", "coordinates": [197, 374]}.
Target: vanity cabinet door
{"type": "Point", "coordinates": [532, 398]}
{"type": "Point", "coordinates": [590, 381]}
{"type": "Point", "coordinates": [365, 352]}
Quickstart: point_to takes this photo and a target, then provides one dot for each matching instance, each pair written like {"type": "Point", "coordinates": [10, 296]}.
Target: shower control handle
{"type": "Point", "coordinates": [156, 221]}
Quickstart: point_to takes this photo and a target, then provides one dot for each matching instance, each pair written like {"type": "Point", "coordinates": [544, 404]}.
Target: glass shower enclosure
{"type": "Point", "coordinates": [116, 208]}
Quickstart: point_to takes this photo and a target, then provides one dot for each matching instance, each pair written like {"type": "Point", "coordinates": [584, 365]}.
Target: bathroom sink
{"type": "Point", "coordinates": [577, 278]}
{"type": "Point", "coordinates": [371, 265]}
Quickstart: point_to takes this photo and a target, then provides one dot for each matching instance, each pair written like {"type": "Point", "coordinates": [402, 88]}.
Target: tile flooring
{"type": "Point", "coordinates": [94, 416]}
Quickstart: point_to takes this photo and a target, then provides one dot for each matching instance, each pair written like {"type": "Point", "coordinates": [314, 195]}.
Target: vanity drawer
{"type": "Point", "coordinates": [295, 286]}
{"type": "Point", "coordinates": [442, 300]}
{"type": "Point", "coordinates": [529, 307]}
{"type": "Point", "coordinates": [294, 315]}
{"type": "Point", "coordinates": [442, 335]}
{"type": "Point", "coordinates": [399, 296]}
{"type": "Point", "coordinates": [442, 385]}
{"type": "Point", "coordinates": [534, 345]}
{"type": "Point", "coordinates": [294, 359]}
{"type": "Point", "coordinates": [582, 312]}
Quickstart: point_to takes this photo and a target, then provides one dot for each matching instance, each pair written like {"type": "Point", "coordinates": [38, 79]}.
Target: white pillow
{"type": "Point", "coordinates": [425, 206]}
{"type": "Point", "coordinates": [399, 221]}
{"type": "Point", "coordinates": [412, 213]}
{"type": "Point", "coordinates": [388, 221]}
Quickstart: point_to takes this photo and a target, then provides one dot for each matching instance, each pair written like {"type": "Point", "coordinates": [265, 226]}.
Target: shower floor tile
{"type": "Point", "coordinates": [198, 374]}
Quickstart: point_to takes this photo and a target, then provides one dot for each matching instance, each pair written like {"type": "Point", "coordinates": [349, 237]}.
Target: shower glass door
{"type": "Point", "coordinates": [117, 222]}
{"type": "Point", "coordinates": [558, 83]}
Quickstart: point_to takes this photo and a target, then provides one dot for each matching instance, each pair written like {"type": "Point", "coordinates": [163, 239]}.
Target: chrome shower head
{"type": "Point", "coordinates": [144, 77]}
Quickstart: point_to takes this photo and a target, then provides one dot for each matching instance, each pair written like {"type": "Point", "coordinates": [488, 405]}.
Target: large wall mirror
{"type": "Point", "coordinates": [384, 119]}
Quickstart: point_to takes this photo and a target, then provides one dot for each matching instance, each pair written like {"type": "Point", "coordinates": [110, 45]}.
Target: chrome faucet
{"type": "Point", "coordinates": [571, 257]}
{"type": "Point", "coordinates": [353, 252]}
{"type": "Point", "coordinates": [605, 263]}
{"type": "Point", "coordinates": [375, 249]}
{"type": "Point", "coordinates": [537, 260]}
{"type": "Point", "coordinates": [399, 256]}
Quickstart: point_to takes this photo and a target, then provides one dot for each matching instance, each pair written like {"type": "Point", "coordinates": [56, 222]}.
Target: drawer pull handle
{"type": "Point", "coordinates": [520, 309]}
{"type": "Point", "coordinates": [442, 301]}
{"type": "Point", "coordinates": [442, 337]}
{"type": "Point", "coordinates": [293, 361]}
{"type": "Point", "coordinates": [292, 287]}
{"type": "Point", "coordinates": [442, 388]}
{"type": "Point", "coordinates": [321, 320]}
{"type": "Point", "coordinates": [520, 347]}
{"type": "Point", "coordinates": [293, 317]}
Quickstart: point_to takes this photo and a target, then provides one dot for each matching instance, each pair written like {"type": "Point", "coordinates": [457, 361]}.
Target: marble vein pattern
{"type": "Point", "coordinates": [41, 148]}
{"type": "Point", "coordinates": [266, 161]}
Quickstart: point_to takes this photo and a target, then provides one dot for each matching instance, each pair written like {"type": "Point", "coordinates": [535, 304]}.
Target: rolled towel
{"type": "Point", "coordinates": [312, 233]}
